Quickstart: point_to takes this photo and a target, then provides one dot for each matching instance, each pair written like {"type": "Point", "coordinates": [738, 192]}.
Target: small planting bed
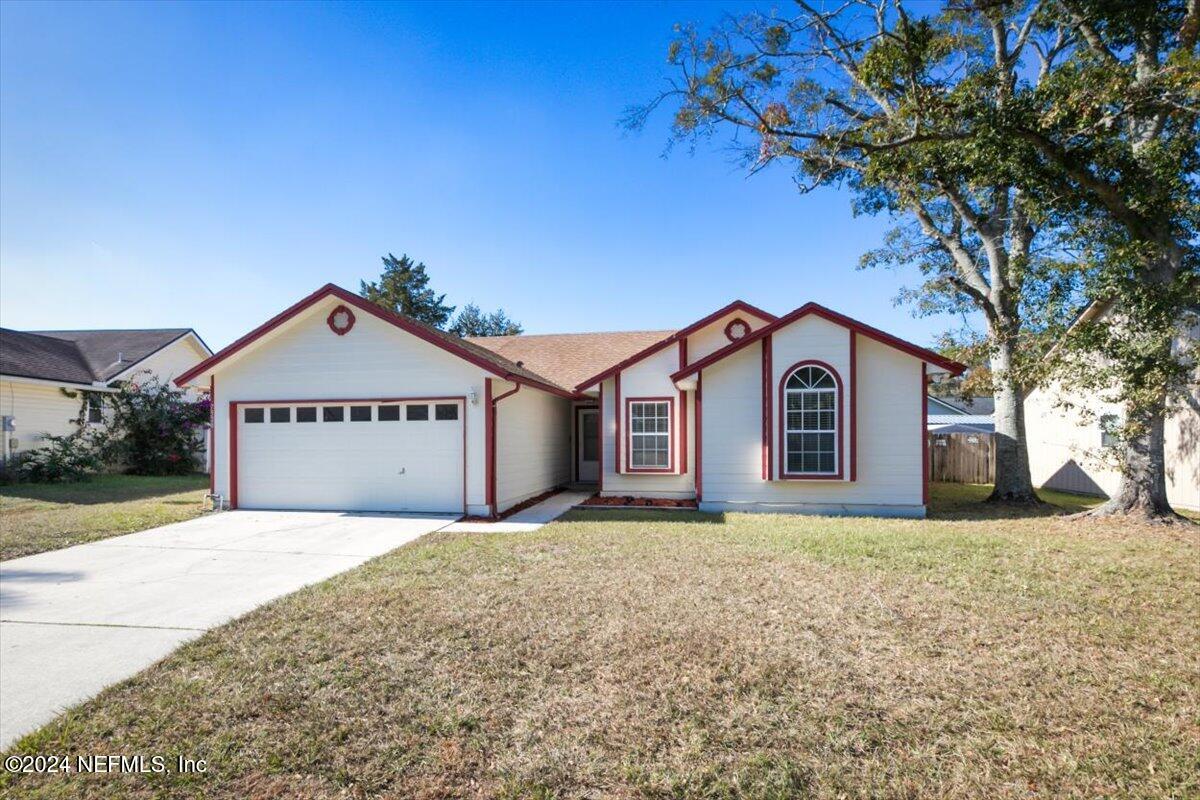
{"type": "Point", "coordinates": [629, 501]}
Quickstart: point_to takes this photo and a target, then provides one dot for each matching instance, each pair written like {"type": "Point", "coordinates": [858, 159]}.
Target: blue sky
{"type": "Point", "coordinates": [173, 165]}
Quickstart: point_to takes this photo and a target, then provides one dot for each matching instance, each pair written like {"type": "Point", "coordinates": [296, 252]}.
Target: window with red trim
{"type": "Point", "coordinates": [650, 434]}
{"type": "Point", "coordinates": [810, 422]}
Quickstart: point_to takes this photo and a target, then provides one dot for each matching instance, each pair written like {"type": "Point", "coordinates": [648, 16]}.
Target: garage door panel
{"type": "Point", "coordinates": [404, 465]}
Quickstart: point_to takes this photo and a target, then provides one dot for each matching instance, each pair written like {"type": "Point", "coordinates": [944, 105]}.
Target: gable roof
{"type": "Point", "coordinates": [568, 358]}
{"type": "Point", "coordinates": [682, 333]}
{"type": "Point", "coordinates": [468, 351]}
{"type": "Point", "coordinates": [953, 367]}
{"type": "Point", "coordinates": [979, 405]}
{"type": "Point", "coordinates": [85, 357]}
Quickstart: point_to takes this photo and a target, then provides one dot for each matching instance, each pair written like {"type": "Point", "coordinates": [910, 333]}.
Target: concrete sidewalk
{"type": "Point", "coordinates": [530, 519]}
{"type": "Point", "coordinates": [74, 621]}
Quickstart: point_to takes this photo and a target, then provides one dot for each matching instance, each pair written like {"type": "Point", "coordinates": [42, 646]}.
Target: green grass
{"type": "Point", "coordinates": [985, 652]}
{"type": "Point", "coordinates": [39, 517]}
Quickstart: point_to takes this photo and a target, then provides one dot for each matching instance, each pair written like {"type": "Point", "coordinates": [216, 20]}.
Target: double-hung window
{"type": "Point", "coordinates": [650, 435]}
{"type": "Point", "coordinates": [810, 422]}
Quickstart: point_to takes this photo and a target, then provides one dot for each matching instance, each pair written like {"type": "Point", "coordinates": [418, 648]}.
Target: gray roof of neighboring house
{"type": "Point", "coordinates": [80, 356]}
{"type": "Point", "coordinates": [983, 404]}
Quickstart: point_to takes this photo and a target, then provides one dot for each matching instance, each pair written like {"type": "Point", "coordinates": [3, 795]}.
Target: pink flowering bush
{"type": "Point", "coordinates": [155, 429]}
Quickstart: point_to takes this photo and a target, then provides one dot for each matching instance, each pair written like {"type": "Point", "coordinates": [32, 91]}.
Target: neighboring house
{"type": "Point", "coordinates": [36, 366]}
{"type": "Point", "coordinates": [956, 415]}
{"type": "Point", "coordinates": [1070, 448]}
{"type": "Point", "coordinates": [338, 404]}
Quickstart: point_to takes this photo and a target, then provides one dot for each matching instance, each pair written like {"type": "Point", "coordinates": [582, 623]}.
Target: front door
{"type": "Point", "coordinates": [587, 450]}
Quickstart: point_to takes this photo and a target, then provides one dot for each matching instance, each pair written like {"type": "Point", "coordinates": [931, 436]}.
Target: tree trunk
{"type": "Point", "coordinates": [1143, 489]}
{"type": "Point", "coordinates": [1013, 482]}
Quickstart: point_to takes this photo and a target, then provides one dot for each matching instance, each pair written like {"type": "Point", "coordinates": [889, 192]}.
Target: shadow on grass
{"type": "Point", "coordinates": [640, 515]}
{"type": "Point", "coordinates": [107, 489]}
{"type": "Point", "coordinates": [968, 501]}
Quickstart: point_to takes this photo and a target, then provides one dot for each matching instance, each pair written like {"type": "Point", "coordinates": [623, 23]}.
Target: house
{"type": "Point", "coordinates": [1071, 448]}
{"type": "Point", "coordinates": [338, 404]}
{"type": "Point", "coordinates": [38, 368]}
{"type": "Point", "coordinates": [949, 414]}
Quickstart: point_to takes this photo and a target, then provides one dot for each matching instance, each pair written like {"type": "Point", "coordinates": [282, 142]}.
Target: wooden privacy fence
{"type": "Point", "coordinates": [962, 457]}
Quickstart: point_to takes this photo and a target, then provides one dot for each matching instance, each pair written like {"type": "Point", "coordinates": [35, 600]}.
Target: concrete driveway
{"type": "Point", "coordinates": [74, 621]}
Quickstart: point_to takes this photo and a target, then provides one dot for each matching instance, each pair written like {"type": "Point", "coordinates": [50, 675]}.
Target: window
{"type": "Point", "coordinates": [416, 413]}
{"type": "Point", "coordinates": [281, 415]}
{"type": "Point", "coordinates": [445, 411]}
{"type": "Point", "coordinates": [1110, 425]}
{"type": "Point", "coordinates": [95, 412]}
{"type": "Point", "coordinates": [650, 434]}
{"type": "Point", "coordinates": [389, 413]}
{"type": "Point", "coordinates": [253, 415]}
{"type": "Point", "coordinates": [360, 413]}
{"type": "Point", "coordinates": [333, 413]}
{"type": "Point", "coordinates": [810, 422]}
{"type": "Point", "coordinates": [306, 414]}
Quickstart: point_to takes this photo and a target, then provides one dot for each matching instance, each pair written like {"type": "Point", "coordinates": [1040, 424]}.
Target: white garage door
{"type": "Point", "coordinates": [352, 456]}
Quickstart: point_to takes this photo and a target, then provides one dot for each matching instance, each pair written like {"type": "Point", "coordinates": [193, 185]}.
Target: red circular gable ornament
{"type": "Point", "coordinates": [736, 329]}
{"type": "Point", "coordinates": [340, 320]}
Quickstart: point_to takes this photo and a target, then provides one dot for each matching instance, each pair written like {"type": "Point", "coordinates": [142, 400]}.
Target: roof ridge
{"type": "Point", "coordinates": [574, 333]}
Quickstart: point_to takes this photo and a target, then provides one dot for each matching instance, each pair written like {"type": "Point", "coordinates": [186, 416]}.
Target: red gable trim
{"type": "Point", "coordinates": [679, 335]}
{"type": "Point", "coordinates": [917, 351]}
{"type": "Point", "coordinates": [331, 290]}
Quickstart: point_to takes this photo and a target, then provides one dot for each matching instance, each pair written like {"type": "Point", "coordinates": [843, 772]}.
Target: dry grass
{"type": "Point", "coordinates": [667, 654]}
{"type": "Point", "coordinates": [39, 517]}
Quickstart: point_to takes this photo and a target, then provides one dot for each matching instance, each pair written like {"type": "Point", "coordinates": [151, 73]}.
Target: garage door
{"type": "Point", "coordinates": [352, 456]}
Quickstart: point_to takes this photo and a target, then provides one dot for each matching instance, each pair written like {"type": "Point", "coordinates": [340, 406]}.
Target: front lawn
{"type": "Point", "coordinates": [39, 517]}
{"type": "Point", "coordinates": [674, 654]}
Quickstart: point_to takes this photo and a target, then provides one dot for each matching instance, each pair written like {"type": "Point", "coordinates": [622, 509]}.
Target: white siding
{"type": "Point", "coordinates": [173, 360]}
{"type": "Point", "coordinates": [533, 452]}
{"type": "Point", "coordinates": [1065, 451]}
{"type": "Point", "coordinates": [37, 409]}
{"type": "Point", "coordinates": [304, 360]}
{"type": "Point", "coordinates": [890, 432]}
{"type": "Point", "coordinates": [650, 377]}
{"type": "Point", "coordinates": [712, 337]}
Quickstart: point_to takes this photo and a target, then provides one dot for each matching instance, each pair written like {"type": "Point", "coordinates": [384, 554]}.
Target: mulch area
{"type": "Point", "coordinates": [521, 506]}
{"type": "Point", "coordinates": [629, 501]}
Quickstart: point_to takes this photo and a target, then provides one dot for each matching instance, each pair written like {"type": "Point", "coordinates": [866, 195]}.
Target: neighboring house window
{"type": "Point", "coordinates": [95, 413]}
{"type": "Point", "coordinates": [1109, 426]}
{"type": "Point", "coordinates": [810, 422]}
{"type": "Point", "coordinates": [650, 435]}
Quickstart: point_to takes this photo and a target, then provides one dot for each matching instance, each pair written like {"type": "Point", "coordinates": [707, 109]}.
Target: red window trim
{"type": "Point", "coordinates": [351, 319]}
{"type": "Point", "coordinates": [784, 475]}
{"type": "Point", "coordinates": [729, 331]}
{"type": "Point", "coordinates": [670, 468]}
{"type": "Point", "coordinates": [233, 429]}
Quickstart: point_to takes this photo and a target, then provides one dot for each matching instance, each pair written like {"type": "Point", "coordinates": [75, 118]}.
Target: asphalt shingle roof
{"type": "Point", "coordinates": [568, 358]}
{"type": "Point", "coordinates": [79, 356]}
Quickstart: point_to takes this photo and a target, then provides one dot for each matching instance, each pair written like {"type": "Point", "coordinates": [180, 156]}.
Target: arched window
{"type": "Point", "coordinates": [810, 421]}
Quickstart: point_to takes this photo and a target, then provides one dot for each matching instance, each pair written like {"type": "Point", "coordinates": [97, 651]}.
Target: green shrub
{"type": "Point", "coordinates": [61, 459]}
{"type": "Point", "coordinates": [154, 429]}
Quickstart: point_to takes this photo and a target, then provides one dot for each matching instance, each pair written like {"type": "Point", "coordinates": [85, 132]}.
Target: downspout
{"type": "Point", "coordinates": [491, 437]}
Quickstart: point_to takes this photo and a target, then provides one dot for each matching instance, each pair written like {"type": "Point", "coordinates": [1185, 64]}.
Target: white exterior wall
{"type": "Point", "coordinates": [1065, 451]}
{"type": "Point", "coordinates": [37, 409]}
{"type": "Point", "coordinates": [304, 360]}
{"type": "Point", "coordinates": [533, 444]}
{"type": "Point", "coordinates": [711, 338]}
{"type": "Point", "coordinates": [173, 360]}
{"type": "Point", "coordinates": [890, 402]}
{"type": "Point", "coordinates": [650, 377]}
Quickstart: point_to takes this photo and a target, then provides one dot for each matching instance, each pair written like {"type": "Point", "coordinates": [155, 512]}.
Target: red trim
{"type": "Point", "coordinates": [681, 334]}
{"type": "Point", "coordinates": [699, 438]}
{"type": "Point", "coordinates": [617, 419]}
{"type": "Point", "coordinates": [670, 468]}
{"type": "Point", "coordinates": [233, 456]}
{"type": "Point", "coordinates": [767, 382]}
{"type": "Point", "coordinates": [729, 329]}
{"type": "Point", "coordinates": [233, 429]}
{"type": "Point", "coordinates": [349, 324]}
{"type": "Point", "coordinates": [489, 423]}
{"type": "Point", "coordinates": [924, 435]}
{"type": "Point", "coordinates": [575, 438]}
{"type": "Point", "coordinates": [683, 430]}
{"type": "Point", "coordinates": [367, 306]}
{"type": "Point", "coordinates": [841, 428]}
{"type": "Point", "coordinates": [493, 401]}
{"type": "Point", "coordinates": [601, 406]}
{"type": "Point", "coordinates": [854, 405]}
{"type": "Point", "coordinates": [212, 435]}
{"type": "Point", "coordinates": [840, 319]}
